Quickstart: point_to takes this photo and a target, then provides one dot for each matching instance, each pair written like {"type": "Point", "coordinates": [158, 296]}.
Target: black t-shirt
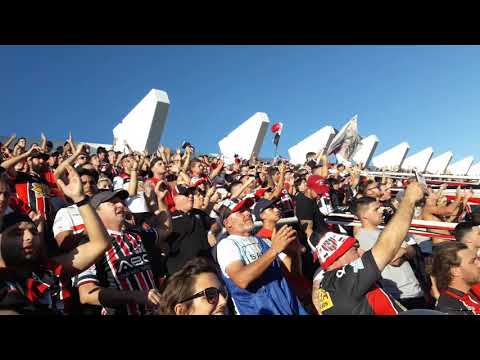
{"type": "Point", "coordinates": [189, 238]}
{"type": "Point", "coordinates": [353, 290]}
{"type": "Point", "coordinates": [307, 209]}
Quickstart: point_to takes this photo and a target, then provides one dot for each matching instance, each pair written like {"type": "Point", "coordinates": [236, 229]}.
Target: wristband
{"type": "Point", "coordinates": [85, 201]}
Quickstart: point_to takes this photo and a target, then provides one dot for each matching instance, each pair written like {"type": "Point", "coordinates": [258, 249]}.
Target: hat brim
{"type": "Point", "coordinates": [245, 203]}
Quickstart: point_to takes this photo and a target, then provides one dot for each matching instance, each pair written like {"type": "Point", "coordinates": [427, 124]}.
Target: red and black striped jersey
{"type": "Point", "coordinates": [125, 266]}
{"type": "Point", "coordinates": [35, 192]}
{"type": "Point", "coordinates": [43, 290]}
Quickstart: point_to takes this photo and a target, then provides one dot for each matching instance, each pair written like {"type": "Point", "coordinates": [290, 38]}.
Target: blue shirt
{"type": "Point", "coordinates": [270, 294]}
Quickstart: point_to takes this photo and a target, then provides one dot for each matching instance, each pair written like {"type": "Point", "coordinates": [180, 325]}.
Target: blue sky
{"type": "Point", "coordinates": [426, 95]}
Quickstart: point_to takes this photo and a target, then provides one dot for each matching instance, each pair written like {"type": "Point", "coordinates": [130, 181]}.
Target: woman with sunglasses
{"type": "Point", "coordinates": [194, 290]}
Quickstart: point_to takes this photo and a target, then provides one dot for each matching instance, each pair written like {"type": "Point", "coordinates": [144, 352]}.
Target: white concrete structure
{"type": "Point", "coordinates": [474, 170]}
{"type": "Point", "coordinates": [365, 151]}
{"type": "Point", "coordinates": [461, 167]}
{"type": "Point", "coordinates": [393, 158]}
{"type": "Point", "coordinates": [142, 128]}
{"type": "Point", "coordinates": [245, 140]}
{"type": "Point", "coordinates": [315, 142]}
{"type": "Point", "coordinates": [438, 165]}
{"type": "Point", "coordinates": [418, 161]}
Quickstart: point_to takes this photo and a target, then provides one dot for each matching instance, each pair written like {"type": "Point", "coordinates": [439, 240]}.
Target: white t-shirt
{"type": "Point", "coordinates": [136, 204]}
{"type": "Point", "coordinates": [68, 219]}
{"type": "Point", "coordinates": [243, 248]}
{"type": "Point", "coordinates": [399, 281]}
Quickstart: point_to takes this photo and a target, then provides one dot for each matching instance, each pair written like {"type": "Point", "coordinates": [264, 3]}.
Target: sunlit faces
{"type": "Point", "coordinates": [372, 213]}
{"type": "Point", "coordinates": [159, 168]}
{"type": "Point", "coordinates": [112, 212]}
{"type": "Point", "coordinates": [472, 236]}
{"type": "Point", "coordinates": [373, 190]}
{"type": "Point", "coordinates": [271, 214]}
{"type": "Point", "coordinates": [20, 244]}
{"type": "Point", "coordinates": [198, 168]}
{"type": "Point", "coordinates": [240, 222]}
{"type": "Point", "coordinates": [89, 185]}
{"type": "Point", "coordinates": [38, 165]}
{"type": "Point", "coordinates": [469, 268]}
{"type": "Point", "coordinates": [210, 297]}
{"type": "Point", "coordinates": [183, 202]}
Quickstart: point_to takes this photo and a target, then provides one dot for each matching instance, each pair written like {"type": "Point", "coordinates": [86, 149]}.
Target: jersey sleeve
{"type": "Point", "coordinates": [63, 222]}
{"type": "Point", "coordinates": [117, 183]}
{"type": "Point", "coordinates": [359, 277]}
{"type": "Point", "coordinates": [227, 253]}
{"type": "Point", "coordinates": [87, 276]}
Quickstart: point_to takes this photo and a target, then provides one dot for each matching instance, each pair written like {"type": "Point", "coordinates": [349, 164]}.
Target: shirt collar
{"type": "Point", "coordinates": [113, 232]}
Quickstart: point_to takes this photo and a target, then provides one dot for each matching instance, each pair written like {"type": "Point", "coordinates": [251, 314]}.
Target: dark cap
{"type": "Point", "coordinates": [40, 155]}
{"type": "Point", "coordinates": [262, 205]}
{"type": "Point", "coordinates": [12, 219]}
{"type": "Point", "coordinates": [185, 190]}
{"type": "Point", "coordinates": [54, 154]}
{"type": "Point", "coordinates": [229, 207]}
{"type": "Point", "coordinates": [105, 196]}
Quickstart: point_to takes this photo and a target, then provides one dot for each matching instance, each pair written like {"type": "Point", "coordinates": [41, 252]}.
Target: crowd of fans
{"type": "Point", "coordinates": [174, 232]}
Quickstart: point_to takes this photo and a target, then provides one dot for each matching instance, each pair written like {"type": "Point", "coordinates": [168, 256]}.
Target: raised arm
{"type": "Point", "coordinates": [70, 141]}
{"type": "Point", "coordinates": [68, 162]}
{"type": "Point", "coordinates": [396, 230]}
{"type": "Point", "coordinates": [133, 185]}
{"type": "Point", "coordinates": [241, 189]}
{"type": "Point", "coordinates": [85, 255]}
{"type": "Point", "coordinates": [10, 140]}
{"type": "Point", "coordinates": [217, 170]}
{"type": "Point", "coordinates": [43, 144]}
{"type": "Point", "coordinates": [186, 162]}
{"type": "Point", "coordinates": [279, 187]}
{"type": "Point", "coordinates": [243, 275]}
{"type": "Point", "coordinates": [10, 163]}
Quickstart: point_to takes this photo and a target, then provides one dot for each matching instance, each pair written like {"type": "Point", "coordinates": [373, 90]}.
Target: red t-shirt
{"type": "Point", "coordinates": [476, 290]}
{"type": "Point", "coordinates": [170, 194]}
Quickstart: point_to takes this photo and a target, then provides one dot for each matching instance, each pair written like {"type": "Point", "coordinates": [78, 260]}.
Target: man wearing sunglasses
{"type": "Point", "coordinates": [250, 266]}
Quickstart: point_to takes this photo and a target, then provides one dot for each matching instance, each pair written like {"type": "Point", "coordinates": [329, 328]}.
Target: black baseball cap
{"type": "Point", "coordinates": [12, 219]}
{"type": "Point", "coordinates": [185, 190]}
{"type": "Point", "coordinates": [105, 196]}
{"type": "Point", "coordinates": [263, 204]}
{"type": "Point", "coordinates": [40, 155]}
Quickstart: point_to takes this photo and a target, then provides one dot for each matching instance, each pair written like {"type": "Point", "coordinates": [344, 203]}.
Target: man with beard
{"type": "Point", "coordinates": [456, 269]}
{"type": "Point", "coordinates": [29, 280]}
{"type": "Point", "coordinates": [251, 267]}
{"type": "Point", "coordinates": [31, 187]}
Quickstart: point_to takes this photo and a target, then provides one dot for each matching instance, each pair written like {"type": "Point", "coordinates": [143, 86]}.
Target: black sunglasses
{"type": "Point", "coordinates": [211, 293]}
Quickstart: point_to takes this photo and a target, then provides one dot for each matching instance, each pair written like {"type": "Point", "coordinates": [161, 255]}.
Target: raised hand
{"type": "Point", "coordinates": [74, 189]}
{"type": "Point", "coordinates": [80, 148]}
{"type": "Point", "coordinates": [282, 238]}
{"type": "Point", "coordinates": [415, 191]}
{"type": "Point", "coordinates": [159, 192]}
{"type": "Point", "coordinates": [43, 137]}
{"type": "Point", "coordinates": [34, 149]}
